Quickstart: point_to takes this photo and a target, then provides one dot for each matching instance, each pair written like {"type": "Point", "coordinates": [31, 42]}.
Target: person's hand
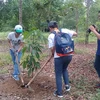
{"type": "Point", "coordinates": [16, 53]}
{"type": "Point", "coordinates": [92, 28]}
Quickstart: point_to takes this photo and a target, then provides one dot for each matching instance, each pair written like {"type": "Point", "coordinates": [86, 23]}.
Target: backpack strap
{"type": "Point", "coordinates": [54, 32]}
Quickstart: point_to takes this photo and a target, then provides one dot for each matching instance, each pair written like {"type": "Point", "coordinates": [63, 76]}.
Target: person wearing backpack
{"type": "Point", "coordinates": [61, 61]}
{"type": "Point", "coordinates": [16, 43]}
{"type": "Point", "coordinates": [97, 55]}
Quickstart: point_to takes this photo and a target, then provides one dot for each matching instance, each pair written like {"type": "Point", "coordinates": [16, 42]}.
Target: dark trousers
{"type": "Point", "coordinates": [61, 65]}
{"type": "Point", "coordinates": [97, 64]}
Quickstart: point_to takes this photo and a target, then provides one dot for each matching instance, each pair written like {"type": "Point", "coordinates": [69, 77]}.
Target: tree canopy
{"type": "Point", "coordinates": [35, 13]}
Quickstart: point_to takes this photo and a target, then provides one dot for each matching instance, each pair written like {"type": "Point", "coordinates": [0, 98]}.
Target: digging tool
{"type": "Point", "coordinates": [19, 69]}
{"type": "Point", "coordinates": [27, 85]}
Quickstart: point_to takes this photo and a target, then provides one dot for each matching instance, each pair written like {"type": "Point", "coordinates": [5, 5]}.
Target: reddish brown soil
{"type": "Point", "coordinates": [81, 73]}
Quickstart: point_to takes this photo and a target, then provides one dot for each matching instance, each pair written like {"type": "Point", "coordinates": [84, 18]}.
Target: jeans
{"type": "Point", "coordinates": [61, 65]}
{"type": "Point", "coordinates": [15, 65]}
{"type": "Point", "coordinates": [97, 64]}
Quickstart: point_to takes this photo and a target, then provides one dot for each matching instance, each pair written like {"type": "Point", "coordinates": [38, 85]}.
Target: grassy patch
{"type": "Point", "coordinates": [81, 38]}
{"type": "Point", "coordinates": [82, 51]}
{"type": "Point", "coordinates": [3, 35]}
{"type": "Point", "coordinates": [96, 96]}
{"type": "Point", "coordinates": [5, 59]}
{"type": "Point", "coordinates": [92, 39]}
{"type": "Point", "coordinates": [3, 71]}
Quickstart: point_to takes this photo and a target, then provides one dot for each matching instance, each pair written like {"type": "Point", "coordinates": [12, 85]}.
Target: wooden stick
{"type": "Point", "coordinates": [19, 70]}
{"type": "Point", "coordinates": [38, 72]}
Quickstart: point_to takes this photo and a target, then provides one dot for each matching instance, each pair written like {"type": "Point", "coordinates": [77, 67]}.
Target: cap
{"type": "Point", "coordinates": [52, 24]}
{"type": "Point", "coordinates": [18, 29]}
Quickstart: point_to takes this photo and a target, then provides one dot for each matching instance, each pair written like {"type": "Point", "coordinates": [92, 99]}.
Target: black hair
{"type": "Point", "coordinates": [52, 24]}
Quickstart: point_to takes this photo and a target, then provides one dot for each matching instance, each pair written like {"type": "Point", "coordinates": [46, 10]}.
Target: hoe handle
{"type": "Point", "coordinates": [19, 69]}
{"type": "Point", "coordinates": [38, 71]}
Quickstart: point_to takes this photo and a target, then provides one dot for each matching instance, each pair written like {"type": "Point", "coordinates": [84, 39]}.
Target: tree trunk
{"type": "Point", "coordinates": [20, 12]}
{"type": "Point", "coordinates": [76, 20]}
{"type": "Point", "coordinates": [87, 21]}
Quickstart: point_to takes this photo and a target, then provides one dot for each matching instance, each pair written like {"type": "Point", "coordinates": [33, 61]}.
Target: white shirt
{"type": "Point", "coordinates": [51, 39]}
{"type": "Point", "coordinates": [15, 41]}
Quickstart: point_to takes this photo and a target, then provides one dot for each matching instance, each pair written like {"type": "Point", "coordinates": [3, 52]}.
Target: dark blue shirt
{"type": "Point", "coordinates": [98, 47]}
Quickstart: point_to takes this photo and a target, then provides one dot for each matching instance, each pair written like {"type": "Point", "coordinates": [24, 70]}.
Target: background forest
{"type": "Point", "coordinates": [36, 13]}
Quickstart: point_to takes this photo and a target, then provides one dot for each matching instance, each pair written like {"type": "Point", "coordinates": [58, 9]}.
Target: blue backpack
{"type": "Point", "coordinates": [64, 45]}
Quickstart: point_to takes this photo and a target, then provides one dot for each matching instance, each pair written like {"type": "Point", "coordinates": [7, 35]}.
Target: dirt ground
{"type": "Point", "coordinates": [81, 73]}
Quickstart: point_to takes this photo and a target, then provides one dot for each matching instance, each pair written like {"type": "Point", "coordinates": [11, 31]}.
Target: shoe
{"type": "Point", "coordinates": [97, 86]}
{"type": "Point", "coordinates": [58, 95]}
{"type": "Point", "coordinates": [15, 77]}
{"type": "Point", "coordinates": [68, 88]}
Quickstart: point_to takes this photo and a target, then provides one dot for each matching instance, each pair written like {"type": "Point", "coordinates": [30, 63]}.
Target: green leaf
{"type": "Point", "coordinates": [24, 64]}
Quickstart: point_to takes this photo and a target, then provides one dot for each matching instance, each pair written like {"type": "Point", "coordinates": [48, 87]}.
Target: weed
{"type": "Point", "coordinates": [96, 96]}
{"type": "Point", "coordinates": [5, 59]}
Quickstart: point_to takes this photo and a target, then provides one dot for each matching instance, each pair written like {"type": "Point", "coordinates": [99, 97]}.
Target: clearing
{"type": "Point", "coordinates": [81, 73]}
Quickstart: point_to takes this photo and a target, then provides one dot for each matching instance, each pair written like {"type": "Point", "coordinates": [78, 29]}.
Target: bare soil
{"type": "Point", "coordinates": [81, 73]}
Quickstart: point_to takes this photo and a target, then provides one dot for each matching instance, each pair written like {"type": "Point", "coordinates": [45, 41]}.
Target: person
{"type": "Point", "coordinates": [97, 55]}
{"type": "Point", "coordinates": [16, 43]}
{"type": "Point", "coordinates": [60, 63]}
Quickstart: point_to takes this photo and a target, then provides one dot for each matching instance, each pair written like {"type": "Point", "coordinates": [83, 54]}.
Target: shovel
{"type": "Point", "coordinates": [27, 85]}
{"type": "Point", "coordinates": [19, 69]}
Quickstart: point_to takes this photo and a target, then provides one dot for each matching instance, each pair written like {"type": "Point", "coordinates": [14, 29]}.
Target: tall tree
{"type": "Point", "coordinates": [88, 4]}
{"type": "Point", "coordinates": [20, 12]}
{"type": "Point", "coordinates": [73, 11]}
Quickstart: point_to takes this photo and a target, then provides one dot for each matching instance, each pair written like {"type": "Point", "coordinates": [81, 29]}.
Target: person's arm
{"type": "Point", "coordinates": [21, 43]}
{"type": "Point", "coordinates": [10, 44]}
{"type": "Point", "coordinates": [74, 33]}
{"type": "Point", "coordinates": [52, 49]}
{"type": "Point", "coordinates": [9, 41]}
{"type": "Point", "coordinates": [94, 31]}
{"type": "Point", "coordinates": [70, 32]}
{"type": "Point", "coordinates": [21, 46]}
{"type": "Point", "coordinates": [51, 43]}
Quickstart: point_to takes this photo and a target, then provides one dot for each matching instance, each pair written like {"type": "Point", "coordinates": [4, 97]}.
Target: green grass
{"type": "Point", "coordinates": [3, 71]}
{"type": "Point", "coordinates": [96, 96]}
{"type": "Point", "coordinates": [81, 51]}
{"type": "Point", "coordinates": [3, 35]}
{"type": "Point", "coordinates": [81, 38]}
{"type": "Point", "coordinates": [5, 59]}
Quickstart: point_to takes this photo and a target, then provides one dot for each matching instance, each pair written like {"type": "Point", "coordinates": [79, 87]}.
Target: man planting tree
{"type": "Point", "coordinates": [61, 58]}
{"type": "Point", "coordinates": [15, 40]}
